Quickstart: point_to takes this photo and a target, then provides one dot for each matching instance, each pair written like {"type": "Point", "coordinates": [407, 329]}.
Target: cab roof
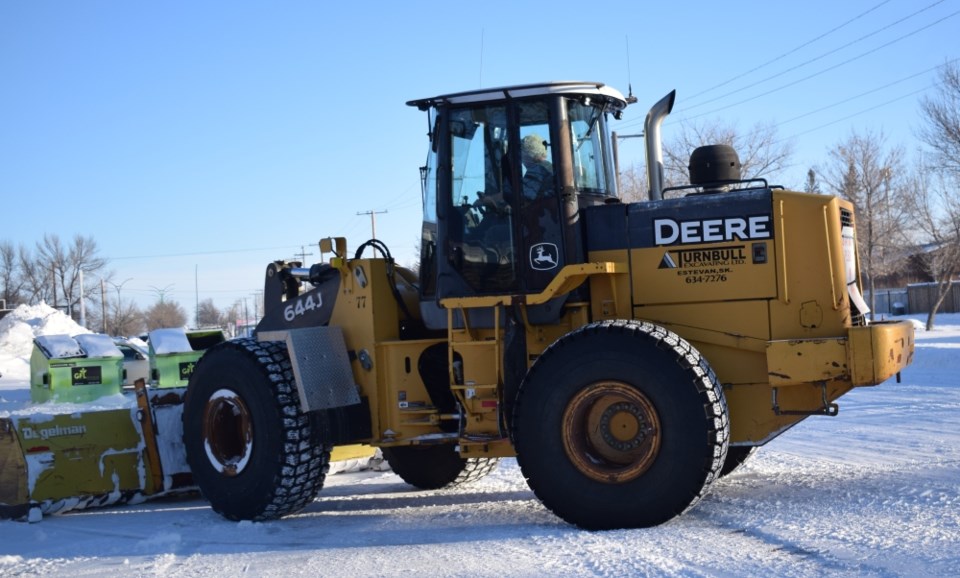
{"type": "Point", "coordinates": [572, 88]}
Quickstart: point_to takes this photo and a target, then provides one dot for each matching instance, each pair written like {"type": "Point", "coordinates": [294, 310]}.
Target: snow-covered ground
{"type": "Point", "coordinates": [874, 491]}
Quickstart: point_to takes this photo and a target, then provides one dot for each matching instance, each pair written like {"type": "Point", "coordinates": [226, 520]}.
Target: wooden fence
{"type": "Point", "coordinates": [921, 296]}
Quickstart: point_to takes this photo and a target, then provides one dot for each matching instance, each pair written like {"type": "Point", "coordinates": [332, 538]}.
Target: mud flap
{"type": "Point", "coordinates": [321, 366]}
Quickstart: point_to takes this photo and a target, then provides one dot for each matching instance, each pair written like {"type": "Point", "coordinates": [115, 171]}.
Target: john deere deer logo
{"type": "Point", "coordinates": [544, 256]}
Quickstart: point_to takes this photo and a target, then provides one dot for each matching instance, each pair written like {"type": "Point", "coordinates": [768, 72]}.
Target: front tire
{"type": "Point", "coordinates": [620, 425]}
{"type": "Point", "coordinates": [249, 445]}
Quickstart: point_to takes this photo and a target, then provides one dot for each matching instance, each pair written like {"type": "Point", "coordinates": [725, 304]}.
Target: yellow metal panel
{"type": "Point", "coordinates": [738, 324]}
{"type": "Point", "coordinates": [352, 452]}
{"type": "Point", "coordinates": [368, 313]}
{"type": "Point", "coordinates": [701, 273]}
{"type": "Point", "coordinates": [501, 448]}
{"type": "Point", "coordinates": [811, 300]}
{"type": "Point", "coordinates": [793, 362]}
{"type": "Point", "coordinates": [870, 355]}
{"type": "Point", "coordinates": [734, 365]}
{"type": "Point", "coordinates": [879, 351]}
{"type": "Point", "coordinates": [610, 294]}
{"type": "Point", "coordinates": [404, 407]}
{"type": "Point", "coordinates": [752, 416]}
{"type": "Point", "coordinates": [481, 361]}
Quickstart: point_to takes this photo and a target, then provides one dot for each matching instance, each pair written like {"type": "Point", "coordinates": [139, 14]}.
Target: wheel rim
{"type": "Point", "coordinates": [611, 432]}
{"type": "Point", "coordinates": [227, 432]}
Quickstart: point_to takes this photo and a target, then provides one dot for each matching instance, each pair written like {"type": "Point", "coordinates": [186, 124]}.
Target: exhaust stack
{"type": "Point", "coordinates": [651, 131]}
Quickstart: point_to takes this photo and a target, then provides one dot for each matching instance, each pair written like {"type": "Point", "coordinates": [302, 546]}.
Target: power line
{"type": "Point", "coordinates": [825, 70]}
{"type": "Point", "coordinates": [303, 254]}
{"type": "Point", "coordinates": [824, 55]}
{"type": "Point", "coordinates": [858, 113]}
{"type": "Point", "coordinates": [789, 52]}
{"type": "Point", "coordinates": [862, 94]}
{"type": "Point", "coordinates": [194, 254]}
{"type": "Point", "coordinates": [676, 119]}
{"type": "Point", "coordinates": [403, 199]}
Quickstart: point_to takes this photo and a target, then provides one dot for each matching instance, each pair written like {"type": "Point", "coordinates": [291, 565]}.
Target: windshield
{"type": "Point", "coordinates": [586, 141]}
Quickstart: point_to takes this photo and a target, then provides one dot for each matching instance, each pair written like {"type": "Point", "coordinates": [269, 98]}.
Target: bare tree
{"type": "Point", "coordinates": [762, 153]}
{"type": "Point", "coordinates": [633, 183]}
{"type": "Point", "coordinates": [812, 185]}
{"type": "Point", "coordinates": [941, 117]}
{"type": "Point", "coordinates": [11, 283]}
{"type": "Point", "coordinates": [935, 201]}
{"type": "Point", "coordinates": [862, 171]}
{"type": "Point", "coordinates": [230, 317]}
{"type": "Point", "coordinates": [53, 273]}
{"type": "Point", "coordinates": [125, 318]}
{"type": "Point", "coordinates": [937, 211]}
{"type": "Point", "coordinates": [36, 278]}
{"type": "Point", "coordinates": [208, 315]}
{"type": "Point", "coordinates": [165, 314]}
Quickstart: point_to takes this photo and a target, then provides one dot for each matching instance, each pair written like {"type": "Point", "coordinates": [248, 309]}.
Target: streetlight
{"type": "Point", "coordinates": [118, 287]}
{"type": "Point", "coordinates": [161, 293]}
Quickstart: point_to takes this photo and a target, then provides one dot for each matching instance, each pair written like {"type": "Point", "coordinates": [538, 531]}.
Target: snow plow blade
{"type": "Point", "coordinates": [81, 458]}
{"type": "Point", "coordinates": [69, 457]}
{"type": "Point", "coordinates": [92, 438]}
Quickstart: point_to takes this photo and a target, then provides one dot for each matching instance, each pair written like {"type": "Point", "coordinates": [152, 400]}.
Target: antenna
{"type": "Point", "coordinates": [481, 58]}
{"type": "Point", "coordinates": [630, 98]}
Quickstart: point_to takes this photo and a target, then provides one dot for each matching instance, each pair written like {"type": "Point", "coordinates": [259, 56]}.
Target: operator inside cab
{"type": "Point", "coordinates": [548, 141]}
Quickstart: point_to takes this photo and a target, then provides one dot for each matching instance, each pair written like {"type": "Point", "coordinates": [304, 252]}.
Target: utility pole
{"type": "Point", "coordinates": [303, 254]}
{"type": "Point", "coordinates": [257, 299]}
{"type": "Point", "coordinates": [373, 224]}
{"type": "Point", "coordinates": [103, 306]}
{"type": "Point", "coordinates": [53, 275]}
{"type": "Point", "coordinates": [83, 303]}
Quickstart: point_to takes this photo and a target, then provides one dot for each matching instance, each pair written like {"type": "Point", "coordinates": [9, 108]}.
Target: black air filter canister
{"type": "Point", "coordinates": [714, 164]}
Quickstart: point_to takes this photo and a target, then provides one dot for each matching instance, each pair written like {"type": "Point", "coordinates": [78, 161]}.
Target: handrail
{"type": "Point", "coordinates": [568, 279]}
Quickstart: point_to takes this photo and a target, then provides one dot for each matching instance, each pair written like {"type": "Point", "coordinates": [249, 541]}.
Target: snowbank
{"type": "Point", "coordinates": [17, 331]}
{"type": "Point", "coordinates": [874, 491]}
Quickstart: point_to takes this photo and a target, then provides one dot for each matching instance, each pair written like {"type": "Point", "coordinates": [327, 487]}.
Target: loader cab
{"type": "Point", "coordinates": [507, 172]}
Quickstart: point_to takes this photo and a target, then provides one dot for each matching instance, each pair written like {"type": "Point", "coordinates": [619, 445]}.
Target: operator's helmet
{"type": "Point", "coordinates": [533, 146]}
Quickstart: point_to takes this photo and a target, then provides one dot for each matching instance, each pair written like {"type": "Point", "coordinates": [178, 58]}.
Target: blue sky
{"type": "Point", "coordinates": [198, 141]}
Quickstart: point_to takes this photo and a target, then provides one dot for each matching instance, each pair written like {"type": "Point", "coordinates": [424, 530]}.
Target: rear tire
{"type": "Point", "coordinates": [620, 425]}
{"type": "Point", "coordinates": [433, 467]}
{"type": "Point", "coordinates": [249, 445]}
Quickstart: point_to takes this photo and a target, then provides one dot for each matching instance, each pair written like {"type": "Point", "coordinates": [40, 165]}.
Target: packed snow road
{"type": "Point", "coordinates": [874, 491]}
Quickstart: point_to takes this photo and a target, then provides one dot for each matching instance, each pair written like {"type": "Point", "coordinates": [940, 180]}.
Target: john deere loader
{"type": "Point", "coordinates": [628, 354]}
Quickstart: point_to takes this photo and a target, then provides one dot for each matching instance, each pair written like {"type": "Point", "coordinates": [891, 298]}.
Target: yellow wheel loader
{"type": "Point", "coordinates": [628, 354]}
